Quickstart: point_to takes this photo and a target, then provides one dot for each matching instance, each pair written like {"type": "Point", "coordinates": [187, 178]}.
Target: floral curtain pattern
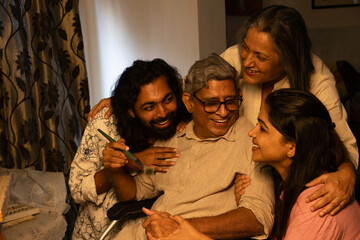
{"type": "Point", "coordinates": [44, 89]}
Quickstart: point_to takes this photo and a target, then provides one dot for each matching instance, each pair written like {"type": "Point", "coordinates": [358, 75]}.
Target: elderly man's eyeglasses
{"type": "Point", "coordinates": [212, 106]}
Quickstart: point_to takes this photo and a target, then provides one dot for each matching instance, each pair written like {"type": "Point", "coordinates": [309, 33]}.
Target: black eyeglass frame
{"type": "Point", "coordinates": [240, 99]}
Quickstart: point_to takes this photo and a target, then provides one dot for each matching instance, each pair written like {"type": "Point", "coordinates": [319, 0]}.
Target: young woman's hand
{"type": "Point", "coordinates": [106, 102]}
{"type": "Point", "coordinates": [182, 229]}
{"type": "Point", "coordinates": [241, 182]}
{"type": "Point", "coordinates": [159, 224]}
{"type": "Point", "coordinates": [337, 191]}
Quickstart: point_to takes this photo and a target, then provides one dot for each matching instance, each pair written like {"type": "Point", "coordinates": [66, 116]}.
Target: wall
{"type": "Point", "coordinates": [117, 32]}
{"type": "Point", "coordinates": [335, 32]}
{"type": "Point", "coordinates": [212, 27]}
{"type": "Point", "coordinates": [322, 18]}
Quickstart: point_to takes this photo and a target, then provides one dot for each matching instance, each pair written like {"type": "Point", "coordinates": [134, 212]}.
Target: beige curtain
{"type": "Point", "coordinates": [44, 89]}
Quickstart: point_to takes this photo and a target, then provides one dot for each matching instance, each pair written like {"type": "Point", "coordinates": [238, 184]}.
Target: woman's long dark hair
{"type": "Point", "coordinates": [288, 30]}
{"type": "Point", "coordinates": [300, 117]}
{"type": "Point", "coordinates": [126, 91]}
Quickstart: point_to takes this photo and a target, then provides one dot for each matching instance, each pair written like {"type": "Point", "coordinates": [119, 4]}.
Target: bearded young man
{"type": "Point", "coordinates": [147, 106]}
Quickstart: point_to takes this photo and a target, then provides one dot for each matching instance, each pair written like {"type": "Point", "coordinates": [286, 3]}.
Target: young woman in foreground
{"type": "Point", "coordinates": [295, 136]}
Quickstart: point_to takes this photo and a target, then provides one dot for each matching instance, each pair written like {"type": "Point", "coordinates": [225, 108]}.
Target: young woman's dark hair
{"type": "Point", "coordinates": [288, 30]}
{"type": "Point", "coordinates": [126, 91]}
{"type": "Point", "coordinates": [300, 117]}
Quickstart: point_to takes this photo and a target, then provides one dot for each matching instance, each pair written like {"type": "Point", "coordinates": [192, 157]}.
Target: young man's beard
{"type": "Point", "coordinates": [162, 133]}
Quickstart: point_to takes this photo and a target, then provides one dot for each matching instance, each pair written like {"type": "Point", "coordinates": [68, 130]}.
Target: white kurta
{"type": "Point", "coordinates": [92, 219]}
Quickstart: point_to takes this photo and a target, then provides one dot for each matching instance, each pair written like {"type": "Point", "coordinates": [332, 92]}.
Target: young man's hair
{"type": "Point", "coordinates": [301, 118]}
{"type": "Point", "coordinates": [125, 94]}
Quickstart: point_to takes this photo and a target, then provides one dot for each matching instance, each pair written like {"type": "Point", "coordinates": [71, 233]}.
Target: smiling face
{"type": "Point", "coordinates": [260, 59]}
{"type": "Point", "coordinates": [210, 125]}
{"type": "Point", "coordinates": [155, 106]}
{"type": "Point", "coordinates": [269, 145]}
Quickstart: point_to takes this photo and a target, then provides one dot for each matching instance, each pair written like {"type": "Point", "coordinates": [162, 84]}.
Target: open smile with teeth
{"type": "Point", "coordinates": [255, 146]}
{"type": "Point", "coordinates": [162, 123]}
{"type": "Point", "coordinates": [251, 71]}
{"type": "Point", "coordinates": [220, 120]}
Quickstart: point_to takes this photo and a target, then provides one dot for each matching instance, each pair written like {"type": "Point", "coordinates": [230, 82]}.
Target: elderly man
{"type": "Point", "coordinates": [213, 148]}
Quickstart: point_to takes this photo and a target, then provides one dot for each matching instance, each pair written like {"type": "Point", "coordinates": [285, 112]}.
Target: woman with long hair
{"type": "Point", "coordinates": [274, 52]}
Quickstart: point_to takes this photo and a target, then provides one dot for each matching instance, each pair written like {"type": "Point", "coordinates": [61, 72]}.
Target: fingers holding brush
{"type": "Point", "coordinates": [113, 159]}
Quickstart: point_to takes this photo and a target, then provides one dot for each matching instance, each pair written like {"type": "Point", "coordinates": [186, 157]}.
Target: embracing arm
{"type": "Point", "coordinates": [106, 102]}
{"type": "Point", "coordinates": [339, 186]}
{"type": "Point", "coordinates": [337, 191]}
{"type": "Point", "coordinates": [237, 223]}
{"type": "Point", "coordinates": [253, 217]}
{"type": "Point", "coordinates": [323, 86]}
{"type": "Point", "coordinates": [102, 181]}
{"type": "Point", "coordinates": [124, 185]}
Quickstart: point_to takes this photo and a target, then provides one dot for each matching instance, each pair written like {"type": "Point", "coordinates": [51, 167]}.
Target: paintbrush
{"type": "Point", "coordinates": [129, 155]}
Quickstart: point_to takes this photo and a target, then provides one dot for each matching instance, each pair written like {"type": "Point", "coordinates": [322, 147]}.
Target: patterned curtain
{"type": "Point", "coordinates": [44, 89]}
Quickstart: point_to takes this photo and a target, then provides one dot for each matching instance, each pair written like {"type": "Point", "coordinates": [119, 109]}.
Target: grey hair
{"type": "Point", "coordinates": [213, 67]}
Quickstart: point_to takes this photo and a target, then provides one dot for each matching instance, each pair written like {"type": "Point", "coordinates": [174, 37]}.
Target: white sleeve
{"type": "Point", "coordinates": [88, 161]}
{"type": "Point", "coordinates": [232, 56]}
{"type": "Point", "coordinates": [323, 86]}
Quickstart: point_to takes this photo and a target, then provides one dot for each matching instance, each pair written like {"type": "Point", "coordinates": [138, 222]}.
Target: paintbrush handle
{"type": "Point", "coordinates": [128, 154]}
